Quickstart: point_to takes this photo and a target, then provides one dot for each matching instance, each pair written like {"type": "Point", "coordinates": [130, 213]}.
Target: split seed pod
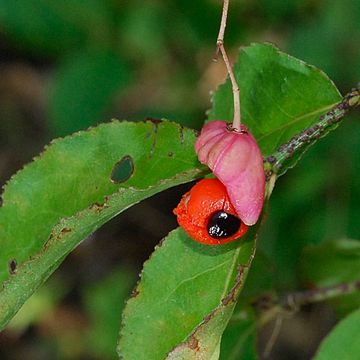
{"type": "Point", "coordinates": [207, 215]}
{"type": "Point", "coordinates": [236, 160]}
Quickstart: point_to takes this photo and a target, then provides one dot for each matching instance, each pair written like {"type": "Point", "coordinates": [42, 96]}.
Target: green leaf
{"type": "Point", "coordinates": [67, 193]}
{"type": "Point", "coordinates": [52, 26]}
{"type": "Point", "coordinates": [280, 95]}
{"type": "Point", "coordinates": [83, 89]}
{"type": "Point", "coordinates": [102, 301]}
{"type": "Point", "coordinates": [239, 339]}
{"type": "Point", "coordinates": [343, 341]}
{"type": "Point", "coordinates": [336, 28]}
{"type": "Point", "coordinates": [187, 294]}
{"type": "Point", "coordinates": [260, 279]}
{"type": "Point", "coordinates": [331, 263]}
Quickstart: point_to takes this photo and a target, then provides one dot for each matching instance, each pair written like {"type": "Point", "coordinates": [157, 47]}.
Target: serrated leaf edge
{"type": "Point", "coordinates": [192, 343]}
{"type": "Point", "coordinates": [8, 305]}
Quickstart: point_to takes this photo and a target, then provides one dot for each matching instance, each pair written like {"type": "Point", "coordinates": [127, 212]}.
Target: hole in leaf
{"type": "Point", "coordinates": [12, 266]}
{"type": "Point", "coordinates": [122, 170]}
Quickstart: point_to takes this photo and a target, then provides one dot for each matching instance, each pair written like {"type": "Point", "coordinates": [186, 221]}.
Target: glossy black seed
{"type": "Point", "coordinates": [222, 225]}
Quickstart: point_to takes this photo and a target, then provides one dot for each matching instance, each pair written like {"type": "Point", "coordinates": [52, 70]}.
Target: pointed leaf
{"type": "Point", "coordinates": [331, 263]}
{"type": "Point", "coordinates": [67, 193]}
{"type": "Point", "coordinates": [280, 95]}
{"type": "Point", "coordinates": [184, 284]}
{"type": "Point", "coordinates": [204, 342]}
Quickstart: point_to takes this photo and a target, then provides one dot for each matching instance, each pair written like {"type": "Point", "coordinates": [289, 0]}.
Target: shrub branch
{"type": "Point", "coordinates": [274, 163]}
{"type": "Point", "coordinates": [272, 306]}
{"type": "Point", "coordinates": [297, 299]}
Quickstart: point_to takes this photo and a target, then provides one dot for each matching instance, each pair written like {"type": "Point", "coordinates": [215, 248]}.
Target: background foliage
{"type": "Point", "coordinates": [55, 62]}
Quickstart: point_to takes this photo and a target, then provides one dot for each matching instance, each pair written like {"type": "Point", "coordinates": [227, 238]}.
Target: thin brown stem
{"type": "Point", "coordinates": [272, 306]}
{"type": "Point", "coordinates": [274, 336]}
{"type": "Point", "coordinates": [235, 87]}
{"type": "Point", "coordinates": [220, 38]}
{"type": "Point", "coordinates": [298, 299]}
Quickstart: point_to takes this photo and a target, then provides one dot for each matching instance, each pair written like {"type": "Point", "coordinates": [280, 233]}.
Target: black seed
{"type": "Point", "coordinates": [222, 225]}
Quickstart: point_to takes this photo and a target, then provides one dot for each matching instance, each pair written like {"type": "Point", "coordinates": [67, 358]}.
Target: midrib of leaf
{"type": "Point", "coordinates": [295, 120]}
{"type": "Point", "coordinates": [195, 277]}
{"type": "Point", "coordinates": [281, 109]}
{"type": "Point", "coordinates": [230, 285]}
{"type": "Point", "coordinates": [34, 272]}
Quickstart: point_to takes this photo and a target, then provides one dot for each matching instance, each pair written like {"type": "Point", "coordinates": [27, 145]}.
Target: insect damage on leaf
{"type": "Point", "coordinates": [12, 266]}
{"type": "Point", "coordinates": [123, 170]}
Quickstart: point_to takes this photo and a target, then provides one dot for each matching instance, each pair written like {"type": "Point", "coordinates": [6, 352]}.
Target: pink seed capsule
{"type": "Point", "coordinates": [236, 160]}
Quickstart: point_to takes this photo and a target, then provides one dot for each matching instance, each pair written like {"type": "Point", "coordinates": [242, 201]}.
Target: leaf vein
{"type": "Point", "coordinates": [296, 119]}
{"type": "Point", "coordinates": [194, 277]}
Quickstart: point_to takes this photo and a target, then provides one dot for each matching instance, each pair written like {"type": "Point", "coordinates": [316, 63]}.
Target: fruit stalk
{"type": "Point", "coordinates": [235, 87]}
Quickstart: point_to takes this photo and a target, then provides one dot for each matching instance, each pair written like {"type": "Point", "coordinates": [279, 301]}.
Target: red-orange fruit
{"type": "Point", "coordinates": [207, 215]}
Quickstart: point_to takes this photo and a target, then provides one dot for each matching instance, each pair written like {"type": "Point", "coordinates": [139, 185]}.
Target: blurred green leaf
{"type": "Point", "coordinates": [39, 306]}
{"type": "Point", "coordinates": [342, 343]}
{"type": "Point", "coordinates": [260, 279]}
{"type": "Point", "coordinates": [331, 263]}
{"type": "Point", "coordinates": [277, 9]}
{"type": "Point", "coordinates": [321, 202]}
{"type": "Point", "coordinates": [66, 194]}
{"type": "Point", "coordinates": [143, 29]}
{"type": "Point", "coordinates": [192, 29]}
{"type": "Point", "coordinates": [52, 26]}
{"type": "Point", "coordinates": [239, 339]}
{"type": "Point", "coordinates": [182, 283]}
{"type": "Point", "coordinates": [337, 28]}
{"type": "Point", "coordinates": [104, 301]}
{"type": "Point", "coordinates": [83, 88]}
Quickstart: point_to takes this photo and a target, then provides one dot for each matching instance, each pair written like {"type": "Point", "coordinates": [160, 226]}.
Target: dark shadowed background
{"type": "Point", "coordinates": [68, 65]}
